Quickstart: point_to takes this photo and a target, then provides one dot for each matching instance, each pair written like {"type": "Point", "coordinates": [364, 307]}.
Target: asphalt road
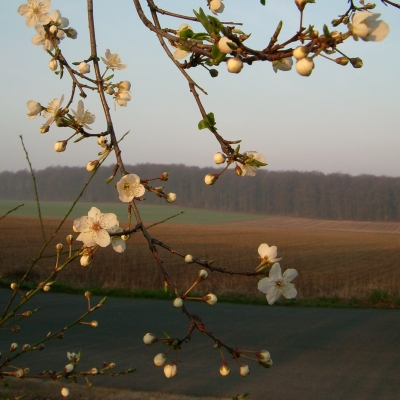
{"type": "Point", "coordinates": [318, 353]}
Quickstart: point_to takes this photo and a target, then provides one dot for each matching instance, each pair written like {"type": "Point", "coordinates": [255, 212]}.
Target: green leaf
{"type": "Point", "coordinates": [215, 23]}
{"type": "Point", "coordinates": [185, 33]}
{"type": "Point", "coordinates": [217, 55]}
{"type": "Point", "coordinates": [200, 36]}
{"type": "Point", "coordinates": [102, 301]}
{"type": "Point", "coordinates": [166, 335]}
{"type": "Point", "coordinates": [211, 118]}
{"type": "Point", "coordinates": [204, 20]}
{"type": "Point", "coordinates": [203, 124]}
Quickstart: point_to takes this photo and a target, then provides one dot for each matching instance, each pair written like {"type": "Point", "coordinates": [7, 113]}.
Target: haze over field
{"type": "Point", "coordinates": [338, 120]}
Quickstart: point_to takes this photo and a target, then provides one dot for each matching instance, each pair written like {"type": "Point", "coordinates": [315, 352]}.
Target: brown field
{"type": "Point", "coordinates": [334, 258]}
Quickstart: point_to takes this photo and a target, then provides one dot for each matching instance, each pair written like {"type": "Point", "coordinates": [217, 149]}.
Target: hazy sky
{"type": "Point", "coordinates": [339, 119]}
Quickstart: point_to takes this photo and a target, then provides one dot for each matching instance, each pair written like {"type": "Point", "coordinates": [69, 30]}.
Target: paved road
{"type": "Point", "coordinates": [318, 354]}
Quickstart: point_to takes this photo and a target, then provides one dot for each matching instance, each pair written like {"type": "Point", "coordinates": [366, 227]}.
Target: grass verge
{"type": "Point", "coordinates": [376, 299]}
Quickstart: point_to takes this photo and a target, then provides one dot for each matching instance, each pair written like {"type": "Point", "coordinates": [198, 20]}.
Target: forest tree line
{"type": "Point", "coordinates": [300, 194]}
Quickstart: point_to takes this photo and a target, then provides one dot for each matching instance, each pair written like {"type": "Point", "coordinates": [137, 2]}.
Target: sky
{"type": "Point", "coordinates": [339, 119]}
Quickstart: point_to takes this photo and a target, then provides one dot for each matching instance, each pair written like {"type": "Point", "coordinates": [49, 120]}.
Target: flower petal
{"type": "Point", "coordinates": [289, 275]}
{"type": "Point", "coordinates": [275, 273]}
{"type": "Point", "coordinates": [272, 296]}
{"type": "Point", "coordinates": [265, 285]}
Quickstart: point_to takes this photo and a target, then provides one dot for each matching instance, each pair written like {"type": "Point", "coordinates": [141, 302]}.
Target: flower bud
{"type": "Point", "coordinates": [356, 62]}
{"type": "Point", "coordinates": [18, 373]}
{"type": "Point", "coordinates": [14, 286]}
{"type": "Point", "coordinates": [46, 288]}
{"type": "Point", "coordinates": [88, 295]}
{"type": "Point", "coordinates": [263, 355]}
{"type": "Point", "coordinates": [102, 141]}
{"type": "Point", "coordinates": [60, 335]}
{"type": "Point", "coordinates": [302, 3]}
{"type": "Point", "coordinates": [27, 313]}
{"type": "Point", "coordinates": [160, 359]}
{"type": "Point", "coordinates": [40, 347]}
{"type": "Point", "coordinates": [26, 347]}
{"type": "Point", "coordinates": [44, 129]}
{"type": "Point", "coordinates": [125, 237]}
{"type": "Point", "coordinates": [72, 34]}
{"type": "Point", "coordinates": [59, 247]}
{"type": "Point", "coordinates": [210, 299]}
{"type": "Point", "coordinates": [94, 324]}
{"type": "Point", "coordinates": [124, 86]}
{"type": "Point", "coordinates": [189, 258]}
{"type": "Point", "coordinates": [94, 371]}
{"type": "Point", "coordinates": [342, 60]}
{"type": "Point", "coordinates": [69, 368]}
{"type": "Point", "coordinates": [91, 165]}
{"type": "Point", "coordinates": [224, 370]}
{"type": "Point", "coordinates": [219, 158]}
{"type": "Point", "coordinates": [203, 274]}
{"type": "Point", "coordinates": [210, 179]}
{"type": "Point", "coordinates": [223, 45]}
{"type": "Point", "coordinates": [53, 29]}
{"type": "Point", "coordinates": [305, 66]}
{"type": "Point", "coordinates": [178, 302]}
{"type": "Point", "coordinates": [13, 346]}
{"type": "Point", "coordinates": [213, 72]}
{"type": "Point", "coordinates": [238, 171]}
{"type": "Point", "coordinates": [60, 146]}
{"type": "Point", "coordinates": [111, 365]}
{"type": "Point", "coordinates": [65, 392]}
{"type": "Point", "coordinates": [234, 65]}
{"type": "Point", "coordinates": [69, 239]}
{"type": "Point", "coordinates": [170, 370]}
{"type": "Point", "coordinates": [244, 370]}
{"type": "Point", "coordinates": [266, 363]}
{"type": "Point", "coordinates": [15, 329]}
{"type": "Point", "coordinates": [149, 339]}
{"type": "Point", "coordinates": [170, 197]}
{"type": "Point", "coordinates": [86, 260]}
{"type": "Point", "coordinates": [164, 176]}
{"type": "Point", "coordinates": [53, 64]}
{"type": "Point", "coordinates": [84, 68]}
{"type": "Point", "coordinates": [300, 52]}
{"type": "Point", "coordinates": [110, 90]}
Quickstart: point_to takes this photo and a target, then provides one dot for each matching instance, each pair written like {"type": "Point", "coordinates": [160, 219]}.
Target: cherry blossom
{"type": "Point", "coordinates": [216, 6]}
{"type": "Point", "coordinates": [83, 117]}
{"type": "Point", "coordinates": [113, 61]}
{"type": "Point", "coordinates": [129, 187]}
{"type": "Point", "coordinates": [285, 64]}
{"type": "Point", "coordinates": [368, 28]}
{"type": "Point", "coordinates": [277, 284]}
{"type": "Point", "coordinates": [249, 168]}
{"type": "Point", "coordinates": [52, 112]}
{"type": "Point", "coordinates": [35, 12]}
{"type": "Point", "coordinates": [94, 229]}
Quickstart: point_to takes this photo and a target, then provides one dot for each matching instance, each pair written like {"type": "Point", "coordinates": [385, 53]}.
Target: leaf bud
{"type": "Point", "coordinates": [15, 329]}
{"type": "Point", "coordinates": [213, 72]}
{"type": "Point", "coordinates": [40, 347]}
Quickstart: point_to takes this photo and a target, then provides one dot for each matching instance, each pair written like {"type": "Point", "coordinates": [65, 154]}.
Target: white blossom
{"type": "Point", "coordinates": [41, 38]}
{"type": "Point", "coordinates": [247, 168]}
{"type": "Point", "coordinates": [181, 53]}
{"type": "Point", "coordinates": [224, 369]}
{"type": "Point", "coordinates": [83, 117]}
{"type": "Point", "coordinates": [122, 97]}
{"type": "Point", "coordinates": [277, 284]}
{"type": "Point", "coordinates": [94, 229]}
{"type": "Point", "coordinates": [129, 187]}
{"type": "Point", "coordinates": [268, 254]}
{"type": "Point", "coordinates": [223, 45]}
{"type": "Point", "coordinates": [368, 28]}
{"type": "Point", "coordinates": [216, 6]}
{"type": "Point", "coordinates": [113, 61]}
{"type": "Point", "coordinates": [52, 111]}
{"type": "Point", "coordinates": [284, 64]}
{"type": "Point", "coordinates": [35, 12]}
{"type": "Point", "coordinates": [34, 107]}
{"type": "Point", "coordinates": [117, 242]}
